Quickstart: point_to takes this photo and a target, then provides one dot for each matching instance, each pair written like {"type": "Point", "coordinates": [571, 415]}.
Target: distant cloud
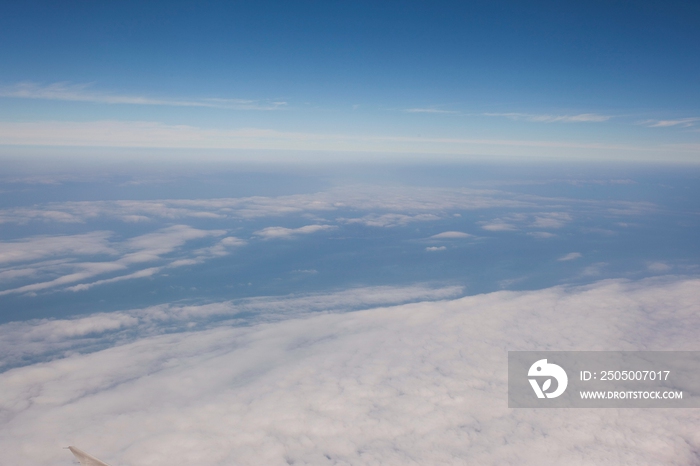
{"type": "Point", "coordinates": [541, 234]}
{"type": "Point", "coordinates": [551, 220]}
{"type": "Point", "coordinates": [658, 267]}
{"type": "Point", "coordinates": [422, 383]}
{"type": "Point", "coordinates": [451, 235]}
{"type": "Point", "coordinates": [428, 110]}
{"type": "Point", "coordinates": [682, 122]}
{"type": "Point", "coordinates": [571, 256]}
{"type": "Point", "coordinates": [83, 93]}
{"type": "Point", "coordinates": [390, 220]}
{"type": "Point", "coordinates": [33, 254]}
{"type": "Point", "coordinates": [124, 134]}
{"type": "Point", "coordinates": [281, 232]}
{"type": "Point", "coordinates": [435, 248]}
{"type": "Point", "coordinates": [44, 247]}
{"type": "Point", "coordinates": [547, 118]}
{"type": "Point", "coordinates": [498, 225]}
{"type": "Point", "coordinates": [593, 270]}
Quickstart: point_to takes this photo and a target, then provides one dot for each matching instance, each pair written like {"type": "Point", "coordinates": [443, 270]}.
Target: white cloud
{"type": "Point", "coordinates": [593, 270]}
{"type": "Point", "coordinates": [41, 247]}
{"type": "Point", "coordinates": [428, 110]}
{"type": "Point", "coordinates": [497, 225]}
{"type": "Point", "coordinates": [546, 118]}
{"type": "Point", "coordinates": [658, 267]}
{"type": "Point", "coordinates": [435, 248]}
{"type": "Point", "coordinates": [44, 339]}
{"type": "Point", "coordinates": [541, 234]}
{"type": "Point", "coordinates": [83, 93]}
{"type": "Point", "coordinates": [551, 220]}
{"type": "Point", "coordinates": [682, 122]}
{"type": "Point", "coordinates": [423, 383]}
{"type": "Point", "coordinates": [390, 220]}
{"type": "Point", "coordinates": [451, 235]}
{"type": "Point", "coordinates": [407, 203]}
{"type": "Point", "coordinates": [154, 134]}
{"type": "Point", "coordinates": [282, 232]}
{"type": "Point", "coordinates": [570, 256]}
{"type": "Point", "coordinates": [149, 247]}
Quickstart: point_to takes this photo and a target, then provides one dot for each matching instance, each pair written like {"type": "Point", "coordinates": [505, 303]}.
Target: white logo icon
{"type": "Point", "coordinates": [542, 369]}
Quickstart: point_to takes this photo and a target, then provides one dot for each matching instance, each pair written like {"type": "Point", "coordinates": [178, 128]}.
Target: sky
{"type": "Point", "coordinates": [594, 81]}
{"type": "Point", "coordinates": [309, 233]}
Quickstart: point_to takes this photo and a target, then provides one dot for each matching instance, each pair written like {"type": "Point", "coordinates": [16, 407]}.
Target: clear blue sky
{"type": "Point", "coordinates": [584, 79]}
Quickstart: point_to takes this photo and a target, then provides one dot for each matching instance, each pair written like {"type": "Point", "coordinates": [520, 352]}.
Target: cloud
{"type": "Point", "coordinates": [150, 247]}
{"type": "Point", "coordinates": [570, 256]}
{"type": "Point", "coordinates": [435, 248]}
{"type": "Point", "coordinates": [44, 339]}
{"type": "Point", "coordinates": [541, 234]}
{"type": "Point", "coordinates": [498, 225]}
{"type": "Point", "coordinates": [551, 220]}
{"type": "Point", "coordinates": [546, 118]}
{"type": "Point", "coordinates": [154, 134]}
{"type": "Point", "coordinates": [282, 232]}
{"type": "Point", "coordinates": [390, 220]}
{"type": "Point", "coordinates": [428, 110]}
{"type": "Point", "coordinates": [658, 267]}
{"type": "Point", "coordinates": [594, 270]}
{"type": "Point", "coordinates": [423, 383]}
{"type": "Point", "coordinates": [452, 235]}
{"type": "Point", "coordinates": [83, 93]}
{"type": "Point", "coordinates": [41, 247]}
{"type": "Point", "coordinates": [682, 122]}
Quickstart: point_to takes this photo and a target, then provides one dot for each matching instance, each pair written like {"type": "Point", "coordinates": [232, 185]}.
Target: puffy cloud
{"type": "Point", "coordinates": [390, 220]}
{"type": "Point", "coordinates": [570, 256]}
{"type": "Point", "coordinates": [281, 232]}
{"type": "Point", "coordinates": [451, 235]}
{"type": "Point", "coordinates": [422, 383]}
{"type": "Point", "coordinates": [435, 248]}
{"type": "Point", "coordinates": [392, 200]}
{"type": "Point", "coordinates": [498, 225]}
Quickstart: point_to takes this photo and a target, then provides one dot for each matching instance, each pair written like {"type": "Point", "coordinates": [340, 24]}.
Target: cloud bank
{"type": "Point", "coordinates": [422, 383]}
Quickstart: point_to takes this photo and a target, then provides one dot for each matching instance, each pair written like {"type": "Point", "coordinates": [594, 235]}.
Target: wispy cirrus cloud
{"type": "Point", "coordinates": [85, 93]}
{"type": "Point", "coordinates": [428, 110]}
{"type": "Point", "coordinates": [548, 118]}
{"type": "Point", "coordinates": [680, 122]}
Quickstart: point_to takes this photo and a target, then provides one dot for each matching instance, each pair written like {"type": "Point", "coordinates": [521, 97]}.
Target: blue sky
{"type": "Point", "coordinates": [595, 80]}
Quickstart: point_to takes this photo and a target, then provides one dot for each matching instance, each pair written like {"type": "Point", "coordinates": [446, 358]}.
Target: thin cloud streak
{"type": "Point", "coordinates": [149, 134]}
{"type": "Point", "coordinates": [82, 93]}
{"type": "Point", "coordinates": [681, 122]}
{"type": "Point", "coordinates": [546, 118]}
{"type": "Point", "coordinates": [428, 110]}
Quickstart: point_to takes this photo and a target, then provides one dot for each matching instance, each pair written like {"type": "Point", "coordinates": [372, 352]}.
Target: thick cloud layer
{"type": "Point", "coordinates": [421, 383]}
